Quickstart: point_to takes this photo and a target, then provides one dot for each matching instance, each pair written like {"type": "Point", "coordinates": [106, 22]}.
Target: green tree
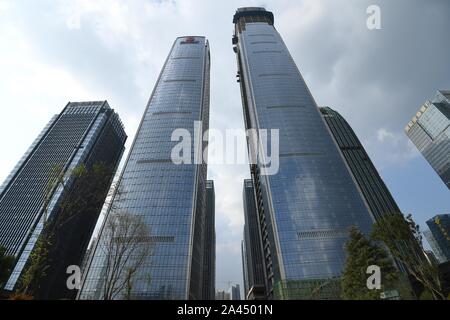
{"type": "Point", "coordinates": [89, 187]}
{"type": "Point", "coordinates": [362, 253]}
{"type": "Point", "coordinates": [37, 267]}
{"type": "Point", "coordinates": [403, 238]}
{"type": "Point", "coordinates": [426, 295]}
{"type": "Point", "coordinates": [6, 265]}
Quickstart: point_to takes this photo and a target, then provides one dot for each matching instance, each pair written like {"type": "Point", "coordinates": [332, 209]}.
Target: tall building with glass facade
{"type": "Point", "coordinates": [235, 292]}
{"type": "Point", "coordinates": [306, 209]}
{"type": "Point", "coordinates": [209, 278]}
{"type": "Point", "coordinates": [376, 194]}
{"type": "Point", "coordinates": [244, 267]}
{"type": "Point", "coordinates": [170, 198]}
{"type": "Point", "coordinates": [252, 250]}
{"type": "Point", "coordinates": [439, 236]}
{"type": "Point", "coordinates": [83, 134]}
{"type": "Point", "coordinates": [429, 130]}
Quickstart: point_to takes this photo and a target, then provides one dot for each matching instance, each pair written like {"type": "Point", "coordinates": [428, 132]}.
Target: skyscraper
{"type": "Point", "coordinates": [223, 295]}
{"type": "Point", "coordinates": [244, 267]}
{"type": "Point", "coordinates": [169, 198]}
{"type": "Point", "coordinates": [429, 130]}
{"type": "Point", "coordinates": [252, 251]}
{"type": "Point", "coordinates": [307, 207]}
{"type": "Point", "coordinates": [209, 278]}
{"type": "Point", "coordinates": [84, 133]}
{"type": "Point", "coordinates": [376, 194]}
{"type": "Point", "coordinates": [439, 236]}
{"type": "Point", "coordinates": [235, 292]}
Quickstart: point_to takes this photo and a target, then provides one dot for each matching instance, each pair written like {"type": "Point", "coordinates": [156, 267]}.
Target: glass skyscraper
{"type": "Point", "coordinates": [376, 194]}
{"type": "Point", "coordinates": [235, 292]}
{"type": "Point", "coordinates": [170, 198]}
{"type": "Point", "coordinates": [252, 251]}
{"type": "Point", "coordinates": [84, 133]}
{"type": "Point", "coordinates": [209, 278]}
{"type": "Point", "coordinates": [429, 130]}
{"type": "Point", "coordinates": [439, 236]}
{"type": "Point", "coordinates": [305, 209]}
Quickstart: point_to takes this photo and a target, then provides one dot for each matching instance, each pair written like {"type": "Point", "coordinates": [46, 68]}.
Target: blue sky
{"type": "Point", "coordinates": [52, 52]}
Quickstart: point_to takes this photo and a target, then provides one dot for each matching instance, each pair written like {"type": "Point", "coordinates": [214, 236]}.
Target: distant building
{"type": "Point", "coordinates": [431, 257]}
{"type": "Point", "coordinates": [444, 272]}
{"type": "Point", "coordinates": [83, 134]}
{"type": "Point", "coordinates": [235, 292]}
{"type": "Point", "coordinates": [439, 236]}
{"type": "Point", "coordinates": [429, 130]}
{"type": "Point", "coordinates": [437, 252]}
{"type": "Point", "coordinates": [223, 295]}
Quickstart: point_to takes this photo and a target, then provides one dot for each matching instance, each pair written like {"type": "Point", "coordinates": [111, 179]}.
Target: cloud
{"type": "Point", "coordinates": [31, 92]}
{"type": "Point", "coordinates": [389, 148]}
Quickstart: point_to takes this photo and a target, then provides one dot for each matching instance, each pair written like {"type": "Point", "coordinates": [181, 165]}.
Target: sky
{"type": "Point", "coordinates": [53, 52]}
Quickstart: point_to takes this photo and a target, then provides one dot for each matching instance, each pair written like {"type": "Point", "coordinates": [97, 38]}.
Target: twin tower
{"type": "Point", "coordinates": [301, 214]}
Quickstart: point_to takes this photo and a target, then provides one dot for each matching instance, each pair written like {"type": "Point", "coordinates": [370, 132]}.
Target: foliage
{"type": "Point", "coordinates": [20, 296]}
{"type": "Point", "coordinates": [6, 265]}
{"type": "Point", "coordinates": [426, 295]}
{"type": "Point", "coordinates": [361, 254]}
{"type": "Point", "coordinates": [124, 249]}
{"type": "Point", "coordinates": [38, 264]}
{"type": "Point", "coordinates": [88, 187]}
{"type": "Point", "coordinates": [403, 238]}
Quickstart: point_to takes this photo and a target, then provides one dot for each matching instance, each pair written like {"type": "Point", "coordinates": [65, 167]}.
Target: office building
{"type": "Point", "coordinates": [167, 195]}
{"type": "Point", "coordinates": [306, 208]}
{"type": "Point", "coordinates": [40, 187]}
{"type": "Point", "coordinates": [252, 251]}
{"type": "Point", "coordinates": [209, 278]}
{"type": "Point", "coordinates": [223, 295]}
{"type": "Point", "coordinates": [235, 292]}
{"type": "Point", "coordinates": [429, 130]}
{"type": "Point", "coordinates": [438, 236]}
{"type": "Point", "coordinates": [376, 194]}
{"type": "Point", "coordinates": [244, 267]}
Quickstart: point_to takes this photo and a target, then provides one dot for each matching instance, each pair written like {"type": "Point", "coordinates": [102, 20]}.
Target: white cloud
{"type": "Point", "coordinates": [389, 148]}
{"type": "Point", "coordinates": [4, 6]}
{"type": "Point", "coordinates": [31, 92]}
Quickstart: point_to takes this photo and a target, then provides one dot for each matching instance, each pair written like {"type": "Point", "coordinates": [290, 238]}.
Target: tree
{"type": "Point", "coordinates": [37, 267]}
{"type": "Point", "coordinates": [124, 249]}
{"type": "Point", "coordinates": [403, 238]}
{"type": "Point", "coordinates": [80, 204]}
{"type": "Point", "coordinates": [6, 265]}
{"type": "Point", "coordinates": [362, 253]}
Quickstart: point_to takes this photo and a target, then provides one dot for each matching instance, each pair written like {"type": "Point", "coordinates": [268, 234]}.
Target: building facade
{"type": "Point", "coordinates": [83, 134]}
{"type": "Point", "coordinates": [252, 251]}
{"type": "Point", "coordinates": [244, 266]}
{"type": "Point", "coordinates": [429, 130]}
{"type": "Point", "coordinates": [235, 292]}
{"type": "Point", "coordinates": [223, 295]}
{"type": "Point", "coordinates": [169, 196]}
{"type": "Point", "coordinates": [439, 236]}
{"type": "Point", "coordinates": [376, 194]}
{"type": "Point", "coordinates": [307, 207]}
{"type": "Point", "coordinates": [209, 279]}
